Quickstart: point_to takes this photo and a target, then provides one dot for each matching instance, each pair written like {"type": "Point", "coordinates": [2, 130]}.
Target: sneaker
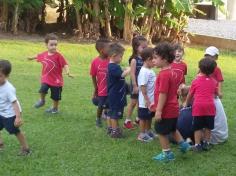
{"type": "Point", "coordinates": [109, 130]}
{"type": "Point", "coordinates": [25, 152]}
{"type": "Point", "coordinates": [152, 134]}
{"type": "Point", "coordinates": [99, 123]}
{"type": "Point", "coordinates": [39, 104]}
{"type": "Point", "coordinates": [197, 148]}
{"type": "Point", "coordinates": [52, 111]}
{"type": "Point", "coordinates": [165, 157]}
{"type": "Point", "coordinates": [116, 134]}
{"type": "Point", "coordinates": [206, 146]}
{"type": "Point", "coordinates": [184, 147]}
{"type": "Point", "coordinates": [128, 125]}
{"type": "Point", "coordinates": [144, 138]}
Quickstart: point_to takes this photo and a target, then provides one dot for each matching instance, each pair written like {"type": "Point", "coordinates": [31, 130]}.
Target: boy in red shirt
{"type": "Point", "coordinates": [166, 102]}
{"type": "Point", "coordinates": [178, 65]}
{"type": "Point", "coordinates": [53, 64]}
{"type": "Point", "coordinates": [98, 72]}
{"type": "Point", "coordinates": [202, 92]}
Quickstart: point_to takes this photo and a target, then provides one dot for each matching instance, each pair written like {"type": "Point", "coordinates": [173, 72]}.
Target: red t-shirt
{"type": "Point", "coordinates": [99, 68]}
{"type": "Point", "coordinates": [217, 75]}
{"type": "Point", "coordinates": [52, 68]}
{"type": "Point", "coordinates": [168, 82]}
{"type": "Point", "coordinates": [203, 90]}
{"type": "Point", "coordinates": [180, 68]}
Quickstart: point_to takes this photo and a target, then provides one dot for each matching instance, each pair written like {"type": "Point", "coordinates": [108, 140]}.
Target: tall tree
{"type": "Point", "coordinates": [128, 20]}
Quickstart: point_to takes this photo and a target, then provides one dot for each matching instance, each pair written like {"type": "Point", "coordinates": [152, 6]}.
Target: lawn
{"type": "Point", "coordinates": [68, 144]}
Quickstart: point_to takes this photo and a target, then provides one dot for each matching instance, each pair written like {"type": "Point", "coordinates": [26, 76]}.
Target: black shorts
{"type": "Point", "coordinates": [201, 122]}
{"type": "Point", "coordinates": [55, 91]}
{"type": "Point", "coordinates": [8, 124]}
{"type": "Point", "coordinates": [132, 95]}
{"type": "Point", "coordinates": [166, 126]}
{"type": "Point", "coordinates": [116, 113]}
{"type": "Point", "coordinates": [145, 114]}
{"type": "Point", "coordinates": [102, 102]}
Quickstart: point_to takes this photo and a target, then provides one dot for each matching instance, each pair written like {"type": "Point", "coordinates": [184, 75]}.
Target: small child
{"type": "Point", "coordinates": [202, 92]}
{"type": "Point", "coordinates": [166, 102]}
{"type": "Point", "coordinates": [116, 90]}
{"type": "Point", "coordinates": [220, 132]}
{"type": "Point", "coordinates": [138, 44]}
{"type": "Point", "coordinates": [10, 110]}
{"type": "Point", "coordinates": [146, 82]}
{"type": "Point", "coordinates": [178, 65]}
{"type": "Point", "coordinates": [53, 64]}
{"type": "Point", "coordinates": [98, 72]}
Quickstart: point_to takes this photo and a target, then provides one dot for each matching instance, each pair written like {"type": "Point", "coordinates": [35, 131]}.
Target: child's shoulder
{"type": "Point", "coordinates": [9, 86]}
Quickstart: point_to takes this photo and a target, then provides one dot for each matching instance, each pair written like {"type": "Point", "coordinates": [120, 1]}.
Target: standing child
{"type": "Point", "coordinates": [220, 132]}
{"type": "Point", "coordinates": [178, 65]}
{"type": "Point", "coordinates": [166, 102]}
{"type": "Point", "coordinates": [10, 110]}
{"type": "Point", "coordinates": [53, 64]}
{"type": "Point", "coordinates": [116, 89]}
{"type": "Point", "coordinates": [146, 82]}
{"type": "Point", "coordinates": [138, 44]}
{"type": "Point", "coordinates": [98, 72]}
{"type": "Point", "coordinates": [203, 91]}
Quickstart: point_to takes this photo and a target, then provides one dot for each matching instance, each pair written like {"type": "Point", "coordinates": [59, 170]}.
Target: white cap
{"type": "Point", "coordinates": [212, 51]}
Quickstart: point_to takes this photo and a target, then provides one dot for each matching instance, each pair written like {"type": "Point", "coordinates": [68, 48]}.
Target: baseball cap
{"type": "Point", "coordinates": [212, 51]}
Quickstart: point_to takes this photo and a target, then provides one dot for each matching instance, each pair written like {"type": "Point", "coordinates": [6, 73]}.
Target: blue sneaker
{"type": "Point", "coordinates": [184, 147]}
{"type": "Point", "coordinates": [52, 111]}
{"type": "Point", "coordinates": [39, 104]}
{"type": "Point", "coordinates": [152, 134]}
{"type": "Point", "coordinates": [165, 157]}
{"type": "Point", "coordinates": [144, 138]}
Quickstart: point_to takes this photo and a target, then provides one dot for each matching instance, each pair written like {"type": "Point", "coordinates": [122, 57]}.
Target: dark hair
{"type": "Point", "coordinates": [178, 46]}
{"type": "Point", "coordinates": [135, 44]}
{"type": "Point", "coordinates": [147, 53]}
{"type": "Point", "coordinates": [166, 51]}
{"type": "Point", "coordinates": [115, 49]}
{"type": "Point", "coordinates": [207, 65]}
{"type": "Point", "coordinates": [50, 36]}
{"type": "Point", "coordinates": [101, 43]}
{"type": "Point", "coordinates": [5, 67]}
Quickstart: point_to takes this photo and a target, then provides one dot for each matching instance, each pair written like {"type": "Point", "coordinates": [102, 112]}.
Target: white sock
{"type": "Point", "coordinates": [127, 120]}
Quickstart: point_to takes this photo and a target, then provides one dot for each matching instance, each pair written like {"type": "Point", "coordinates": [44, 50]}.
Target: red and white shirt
{"type": "Point", "coordinates": [180, 68]}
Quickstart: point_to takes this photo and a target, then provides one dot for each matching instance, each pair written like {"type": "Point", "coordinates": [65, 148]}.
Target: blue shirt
{"type": "Point", "coordinates": [116, 87]}
{"type": "Point", "coordinates": [185, 123]}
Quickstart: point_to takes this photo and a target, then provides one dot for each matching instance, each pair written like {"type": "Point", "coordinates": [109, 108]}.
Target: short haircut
{"type": "Point", "coordinates": [184, 91]}
{"type": "Point", "coordinates": [166, 51]}
{"type": "Point", "coordinates": [147, 53]}
{"type": "Point", "coordinates": [207, 65]}
{"type": "Point", "coordinates": [50, 36]}
{"type": "Point", "coordinates": [178, 46]}
{"type": "Point", "coordinates": [115, 49]}
{"type": "Point", "coordinates": [101, 43]}
{"type": "Point", "coordinates": [5, 67]}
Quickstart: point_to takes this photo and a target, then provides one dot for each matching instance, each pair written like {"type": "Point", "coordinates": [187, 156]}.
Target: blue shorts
{"type": "Point", "coordinates": [202, 122]}
{"type": "Point", "coordinates": [166, 126]}
{"type": "Point", "coordinates": [145, 114]}
{"type": "Point", "coordinates": [55, 91]}
{"type": "Point", "coordinates": [116, 113]}
{"type": "Point", "coordinates": [8, 124]}
{"type": "Point", "coordinates": [102, 102]}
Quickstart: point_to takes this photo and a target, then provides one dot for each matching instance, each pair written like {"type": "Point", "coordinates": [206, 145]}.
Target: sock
{"type": "Point", "coordinates": [127, 120]}
{"type": "Point", "coordinates": [167, 151]}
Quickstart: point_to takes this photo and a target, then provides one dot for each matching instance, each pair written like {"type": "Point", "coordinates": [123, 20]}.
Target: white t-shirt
{"type": "Point", "coordinates": [146, 78]}
{"type": "Point", "coordinates": [7, 97]}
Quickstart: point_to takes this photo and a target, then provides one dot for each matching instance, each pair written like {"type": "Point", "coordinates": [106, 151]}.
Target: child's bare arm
{"type": "Point", "coordinates": [220, 94]}
{"type": "Point", "coordinates": [94, 80]}
{"type": "Point", "coordinates": [133, 76]}
{"type": "Point", "coordinates": [144, 92]}
{"type": "Point", "coordinates": [32, 58]}
{"type": "Point", "coordinates": [188, 100]}
{"type": "Point", "coordinates": [18, 120]}
{"type": "Point", "coordinates": [126, 72]}
{"type": "Point", "coordinates": [67, 71]}
{"type": "Point", "coordinates": [161, 103]}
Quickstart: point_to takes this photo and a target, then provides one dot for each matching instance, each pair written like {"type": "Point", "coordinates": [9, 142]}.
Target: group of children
{"type": "Point", "coordinates": [183, 114]}
{"type": "Point", "coordinates": [200, 118]}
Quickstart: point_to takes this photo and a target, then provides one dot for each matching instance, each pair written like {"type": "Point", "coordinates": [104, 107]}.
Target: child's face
{"type": "Point", "coordinates": [142, 46]}
{"type": "Point", "coordinates": [2, 78]}
{"type": "Point", "coordinates": [104, 51]}
{"type": "Point", "coordinates": [178, 55]}
{"type": "Point", "coordinates": [149, 63]}
{"type": "Point", "coordinates": [52, 46]}
{"type": "Point", "coordinates": [117, 58]}
{"type": "Point", "coordinates": [158, 61]}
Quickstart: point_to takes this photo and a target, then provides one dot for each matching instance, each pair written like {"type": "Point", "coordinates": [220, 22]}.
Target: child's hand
{"type": "Point", "coordinates": [220, 95]}
{"type": "Point", "coordinates": [69, 75]}
{"type": "Point", "coordinates": [95, 93]}
{"type": "Point", "coordinates": [135, 90]}
{"type": "Point", "coordinates": [158, 116]}
{"type": "Point", "coordinates": [18, 122]}
{"type": "Point", "coordinates": [31, 58]}
{"type": "Point", "coordinates": [148, 104]}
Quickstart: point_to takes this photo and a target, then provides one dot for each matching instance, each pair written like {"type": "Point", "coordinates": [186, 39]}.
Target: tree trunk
{"type": "Point", "coordinates": [60, 19]}
{"type": "Point", "coordinates": [43, 17]}
{"type": "Point", "coordinates": [78, 22]}
{"type": "Point", "coordinates": [128, 23]}
{"type": "Point", "coordinates": [4, 15]}
{"type": "Point", "coordinates": [107, 19]}
{"type": "Point", "coordinates": [150, 21]}
{"type": "Point", "coordinates": [15, 18]}
{"type": "Point", "coordinates": [96, 22]}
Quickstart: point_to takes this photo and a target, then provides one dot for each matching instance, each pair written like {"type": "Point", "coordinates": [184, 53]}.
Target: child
{"type": "Point", "coordinates": [10, 110]}
{"type": "Point", "coordinates": [98, 72]}
{"type": "Point", "coordinates": [166, 102]}
{"type": "Point", "coordinates": [138, 44]}
{"type": "Point", "coordinates": [116, 89]}
{"type": "Point", "coordinates": [178, 63]}
{"type": "Point", "coordinates": [53, 64]}
{"type": "Point", "coordinates": [203, 91]}
{"type": "Point", "coordinates": [146, 82]}
{"type": "Point", "coordinates": [220, 132]}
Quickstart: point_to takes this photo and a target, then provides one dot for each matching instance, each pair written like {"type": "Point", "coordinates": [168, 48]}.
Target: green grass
{"type": "Point", "coordinates": [69, 144]}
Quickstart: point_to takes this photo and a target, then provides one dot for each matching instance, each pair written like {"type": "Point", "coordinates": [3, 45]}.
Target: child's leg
{"type": "Point", "coordinates": [148, 125]}
{"type": "Point", "coordinates": [130, 108]}
{"type": "Point", "coordinates": [198, 137]}
{"type": "Point", "coordinates": [21, 138]}
{"type": "Point", "coordinates": [114, 124]}
{"type": "Point", "coordinates": [177, 136]}
{"type": "Point", "coordinates": [142, 125]}
{"type": "Point", "coordinates": [207, 135]}
{"type": "Point", "coordinates": [99, 113]}
{"type": "Point", "coordinates": [55, 104]}
{"type": "Point", "coordinates": [165, 145]}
